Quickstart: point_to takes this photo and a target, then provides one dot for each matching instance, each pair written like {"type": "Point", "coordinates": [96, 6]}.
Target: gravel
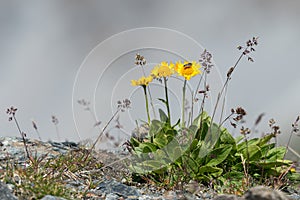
{"type": "Point", "coordinates": [113, 185]}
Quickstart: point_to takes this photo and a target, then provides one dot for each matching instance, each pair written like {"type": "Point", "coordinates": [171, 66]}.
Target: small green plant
{"type": "Point", "coordinates": [200, 149]}
{"type": "Point", "coordinates": [38, 176]}
{"type": "Point", "coordinates": [49, 176]}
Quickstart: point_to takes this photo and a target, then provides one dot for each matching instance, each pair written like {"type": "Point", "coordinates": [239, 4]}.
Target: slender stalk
{"type": "Point", "coordinates": [23, 138]}
{"type": "Point", "coordinates": [167, 101]}
{"type": "Point", "coordinates": [57, 132]}
{"type": "Point", "coordinates": [228, 117]}
{"type": "Point", "coordinates": [97, 123]}
{"type": "Point", "coordinates": [104, 128]}
{"type": "Point", "coordinates": [294, 152]}
{"type": "Point", "coordinates": [247, 151]}
{"type": "Point", "coordinates": [149, 91]}
{"type": "Point", "coordinates": [194, 97]}
{"type": "Point", "coordinates": [223, 105]}
{"type": "Point", "coordinates": [38, 133]}
{"type": "Point", "coordinates": [36, 130]}
{"type": "Point", "coordinates": [201, 118]}
{"type": "Point", "coordinates": [287, 145]}
{"type": "Point", "coordinates": [183, 103]}
{"type": "Point", "coordinates": [147, 104]}
{"type": "Point", "coordinates": [225, 84]}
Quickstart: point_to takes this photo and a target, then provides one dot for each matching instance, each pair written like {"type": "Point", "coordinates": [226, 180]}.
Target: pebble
{"type": "Point", "coordinates": [111, 197]}
{"type": "Point", "coordinates": [49, 197]}
{"type": "Point", "coordinates": [120, 189]}
{"type": "Point", "coordinates": [227, 197]}
{"type": "Point", "coordinates": [263, 193]}
{"type": "Point", "coordinates": [6, 193]}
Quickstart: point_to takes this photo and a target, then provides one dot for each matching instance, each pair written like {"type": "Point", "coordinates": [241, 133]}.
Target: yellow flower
{"type": "Point", "coordinates": [143, 81]}
{"type": "Point", "coordinates": [163, 70]}
{"type": "Point", "coordinates": [293, 169]}
{"type": "Point", "coordinates": [187, 69]}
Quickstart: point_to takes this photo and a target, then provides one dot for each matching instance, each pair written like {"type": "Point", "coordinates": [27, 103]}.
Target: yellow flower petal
{"type": "Point", "coordinates": [187, 69]}
{"type": "Point", "coordinates": [162, 70]}
{"type": "Point", "coordinates": [143, 81]}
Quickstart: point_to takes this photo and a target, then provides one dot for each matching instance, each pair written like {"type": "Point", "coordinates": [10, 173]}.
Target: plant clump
{"type": "Point", "coordinates": [200, 149]}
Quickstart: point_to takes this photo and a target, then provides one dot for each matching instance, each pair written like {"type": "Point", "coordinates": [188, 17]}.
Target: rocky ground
{"type": "Point", "coordinates": [113, 183]}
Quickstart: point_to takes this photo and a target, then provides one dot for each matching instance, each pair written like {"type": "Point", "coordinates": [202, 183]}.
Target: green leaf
{"type": "Point", "coordinates": [204, 149]}
{"type": "Point", "coordinates": [193, 145]}
{"type": "Point", "coordinates": [238, 167]}
{"type": "Point", "coordinates": [202, 132]}
{"type": "Point", "coordinates": [270, 164]}
{"type": "Point", "coordinates": [150, 165]}
{"type": "Point", "coordinates": [212, 136]}
{"type": "Point", "coordinates": [148, 147]}
{"type": "Point", "coordinates": [134, 142]}
{"type": "Point", "coordinates": [161, 155]}
{"type": "Point", "coordinates": [226, 137]}
{"type": "Point", "coordinates": [160, 141]}
{"type": "Point", "coordinates": [163, 116]}
{"type": "Point", "coordinates": [155, 127]}
{"type": "Point", "coordinates": [218, 155]}
{"type": "Point", "coordinates": [293, 177]}
{"type": "Point", "coordinates": [171, 132]}
{"type": "Point", "coordinates": [264, 140]}
{"type": "Point", "coordinates": [178, 121]}
{"type": "Point", "coordinates": [238, 139]}
{"type": "Point", "coordinates": [172, 149]}
{"type": "Point", "coordinates": [266, 148]}
{"type": "Point", "coordinates": [162, 100]}
{"type": "Point", "coordinates": [253, 151]}
{"type": "Point", "coordinates": [234, 175]}
{"type": "Point", "coordinates": [213, 171]}
{"type": "Point", "coordinates": [241, 146]}
{"type": "Point", "coordinates": [194, 149]}
{"type": "Point", "coordinates": [192, 165]}
{"type": "Point", "coordinates": [276, 153]}
{"type": "Point", "coordinates": [203, 117]}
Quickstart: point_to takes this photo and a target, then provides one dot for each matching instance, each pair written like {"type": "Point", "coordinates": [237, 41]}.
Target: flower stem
{"type": "Point", "coordinates": [167, 101]}
{"type": "Point", "coordinates": [147, 104]}
{"type": "Point", "coordinates": [183, 103]}
{"type": "Point", "coordinates": [100, 135]}
{"type": "Point", "coordinates": [23, 138]}
{"type": "Point", "coordinates": [151, 100]}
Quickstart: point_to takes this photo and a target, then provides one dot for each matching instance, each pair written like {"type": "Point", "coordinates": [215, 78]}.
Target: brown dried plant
{"type": "Point", "coordinates": [246, 51]}
{"type": "Point", "coordinates": [12, 113]}
{"type": "Point", "coordinates": [55, 121]}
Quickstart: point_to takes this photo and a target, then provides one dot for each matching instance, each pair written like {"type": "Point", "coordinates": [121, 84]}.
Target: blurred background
{"type": "Point", "coordinates": [44, 43]}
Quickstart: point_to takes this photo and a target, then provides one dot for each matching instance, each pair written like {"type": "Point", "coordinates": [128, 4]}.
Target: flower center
{"type": "Point", "coordinates": [188, 70]}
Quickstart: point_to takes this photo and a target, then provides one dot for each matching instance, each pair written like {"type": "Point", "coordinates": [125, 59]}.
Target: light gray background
{"type": "Point", "coordinates": [43, 44]}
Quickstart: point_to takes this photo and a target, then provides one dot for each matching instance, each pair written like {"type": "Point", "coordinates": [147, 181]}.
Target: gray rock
{"type": "Point", "coordinates": [114, 187]}
{"type": "Point", "coordinates": [264, 193]}
{"type": "Point", "coordinates": [49, 197]}
{"type": "Point", "coordinates": [294, 196]}
{"type": "Point", "coordinates": [111, 197]}
{"type": "Point", "coordinates": [5, 193]}
{"type": "Point", "coordinates": [170, 195]}
{"type": "Point", "coordinates": [228, 197]}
